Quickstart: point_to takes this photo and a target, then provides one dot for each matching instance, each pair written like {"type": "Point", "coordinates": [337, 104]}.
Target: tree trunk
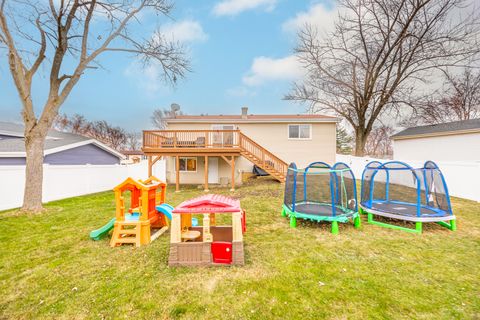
{"type": "Point", "coordinates": [32, 197]}
{"type": "Point", "coordinates": [360, 141]}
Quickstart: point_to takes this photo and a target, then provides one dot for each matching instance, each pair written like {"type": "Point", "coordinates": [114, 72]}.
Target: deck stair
{"type": "Point", "coordinates": [262, 158]}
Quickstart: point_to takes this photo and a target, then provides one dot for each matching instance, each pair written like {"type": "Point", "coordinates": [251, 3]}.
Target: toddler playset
{"type": "Point", "coordinates": [141, 220]}
{"type": "Point", "coordinates": [208, 244]}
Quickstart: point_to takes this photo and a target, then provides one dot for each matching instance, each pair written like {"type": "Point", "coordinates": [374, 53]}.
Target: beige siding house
{"type": "Point", "coordinates": [225, 147]}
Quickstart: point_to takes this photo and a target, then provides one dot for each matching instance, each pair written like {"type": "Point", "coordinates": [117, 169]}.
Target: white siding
{"type": "Point", "coordinates": [461, 147]}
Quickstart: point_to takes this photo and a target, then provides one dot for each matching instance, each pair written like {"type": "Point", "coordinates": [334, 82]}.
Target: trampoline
{"type": "Point", "coordinates": [321, 193]}
{"type": "Point", "coordinates": [396, 190]}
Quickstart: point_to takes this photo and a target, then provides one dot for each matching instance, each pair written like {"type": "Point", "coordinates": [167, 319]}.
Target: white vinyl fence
{"type": "Point", "coordinates": [60, 182]}
{"type": "Point", "coordinates": [463, 178]}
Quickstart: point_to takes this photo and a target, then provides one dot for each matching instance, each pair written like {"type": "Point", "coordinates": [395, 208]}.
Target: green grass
{"type": "Point", "coordinates": [51, 269]}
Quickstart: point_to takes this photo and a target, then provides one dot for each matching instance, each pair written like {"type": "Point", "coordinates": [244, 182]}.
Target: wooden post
{"type": "Point", "coordinates": [150, 166]}
{"type": "Point", "coordinates": [237, 226]}
{"type": "Point", "coordinates": [232, 164]}
{"type": "Point", "coordinates": [175, 232]}
{"type": "Point", "coordinates": [177, 172]}
{"type": "Point", "coordinates": [206, 174]}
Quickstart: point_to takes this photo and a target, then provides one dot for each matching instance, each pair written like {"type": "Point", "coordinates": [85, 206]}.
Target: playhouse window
{"type": "Point", "coordinates": [188, 164]}
{"type": "Point", "coordinates": [299, 131]}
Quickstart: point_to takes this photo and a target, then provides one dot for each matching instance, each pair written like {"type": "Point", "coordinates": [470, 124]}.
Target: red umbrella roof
{"type": "Point", "coordinates": [210, 203]}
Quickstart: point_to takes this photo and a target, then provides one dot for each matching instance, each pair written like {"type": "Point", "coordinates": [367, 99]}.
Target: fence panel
{"type": "Point", "coordinates": [60, 182]}
{"type": "Point", "coordinates": [462, 177]}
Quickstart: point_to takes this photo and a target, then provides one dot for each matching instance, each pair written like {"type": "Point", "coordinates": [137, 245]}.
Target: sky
{"type": "Point", "coordinates": [241, 54]}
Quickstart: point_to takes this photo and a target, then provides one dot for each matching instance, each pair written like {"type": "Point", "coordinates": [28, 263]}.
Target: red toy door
{"type": "Point", "coordinates": [222, 252]}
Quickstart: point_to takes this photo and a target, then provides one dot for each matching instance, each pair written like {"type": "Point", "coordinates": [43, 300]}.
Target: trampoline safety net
{"type": "Point", "coordinates": [397, 188]}
{"type": "Point", "coordinates": [320, 189]}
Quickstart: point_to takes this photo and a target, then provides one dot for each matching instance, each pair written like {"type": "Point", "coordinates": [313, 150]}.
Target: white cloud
{"type": "Point", "coordinates": [185, 31]}
{"type": "Point", "coordinates": [147, 78]}
{"type": "Point", "coordinates": [318, 15]}
{"type": "Point", "coordinates": [266, 69]}
{"type": "Point", "coordinates": [233, 7]}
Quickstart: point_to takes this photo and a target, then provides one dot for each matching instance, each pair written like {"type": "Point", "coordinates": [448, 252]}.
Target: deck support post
{"type": "Point", "coordinates": [177, 174]}
{"type": "Point", "coordinates": [150, 166]}
{"type": "Point", "coordinates": [206, 174]}
{"type": "Point", "coordinates": [233, 173]}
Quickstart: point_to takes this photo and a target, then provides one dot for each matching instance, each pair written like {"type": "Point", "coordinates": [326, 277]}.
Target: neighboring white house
{"type": "Point", "coordinates": [452, 141]}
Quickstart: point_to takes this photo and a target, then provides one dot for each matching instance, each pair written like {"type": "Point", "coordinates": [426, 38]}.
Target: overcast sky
{"type": "Point", "coordinates": [241, 55]}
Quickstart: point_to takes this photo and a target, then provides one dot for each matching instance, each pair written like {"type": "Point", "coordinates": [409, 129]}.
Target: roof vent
{"type": "Point", "coordinates": [244, 112]}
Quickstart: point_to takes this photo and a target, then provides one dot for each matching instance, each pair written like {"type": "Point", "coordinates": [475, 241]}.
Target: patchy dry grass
{"type": "Point", "coordinates": [51, 269]}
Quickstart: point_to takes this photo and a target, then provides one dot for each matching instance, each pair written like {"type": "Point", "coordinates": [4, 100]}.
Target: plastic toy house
{"type": "Point", "coordinates": [134, 225]}
{"type": "Point", "coordinates": [207, 244]}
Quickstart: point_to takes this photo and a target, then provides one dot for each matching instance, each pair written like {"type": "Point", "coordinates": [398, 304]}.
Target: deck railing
{"type": "Point", "coordinates": [157, 139]}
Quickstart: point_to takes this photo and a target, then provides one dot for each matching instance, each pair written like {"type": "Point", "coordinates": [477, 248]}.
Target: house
{"type": "Point", "coordinates": [61, 148]}
{"type": "Point", "coordinates": [452, 141]}
{"type": "Point", "coordinates": [221, 149]}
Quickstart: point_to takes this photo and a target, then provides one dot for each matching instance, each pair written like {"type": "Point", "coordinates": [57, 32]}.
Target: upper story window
{"type": "Point", "coordinates": [300, 131]}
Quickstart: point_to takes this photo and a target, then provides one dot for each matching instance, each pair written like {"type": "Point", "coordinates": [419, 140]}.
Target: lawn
{"type": "Point", "coordinates": [51, 269]}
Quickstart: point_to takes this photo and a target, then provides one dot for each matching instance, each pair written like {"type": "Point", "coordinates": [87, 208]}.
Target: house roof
{"type": "Point", "coordinates": [449, 128]}
{"type": "Point", "coordinates": [56, 141]}
{"type": "Point", "coordinates": [253, 118]}
{"type": "Point", "coordinates": [210, 203]}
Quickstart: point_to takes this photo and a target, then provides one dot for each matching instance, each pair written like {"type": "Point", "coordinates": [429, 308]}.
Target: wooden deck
{"type": "Point", "coordinates": [227, 144]}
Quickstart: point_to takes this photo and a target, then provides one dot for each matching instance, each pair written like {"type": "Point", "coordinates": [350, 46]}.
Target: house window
{"type": "Point", "coordinates": [299, 131]}
{"type": "Point", "coordinates": [188, 164]}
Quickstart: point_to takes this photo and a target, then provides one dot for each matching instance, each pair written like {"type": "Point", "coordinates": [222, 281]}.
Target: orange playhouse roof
{"type": "Point", "coordinates": [210, 203]}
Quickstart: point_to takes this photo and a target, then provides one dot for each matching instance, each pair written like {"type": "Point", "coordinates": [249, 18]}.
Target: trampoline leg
{"type": "Point", "coordinates": [453, 225]}
{"type": "Point", "coordinates": [293, 221]}
{"type": "Point", "coordinates": [357, 222]}
{"type": "Point", "coordinates": [369, 217]}
{"type": "Point", "coordinates": [418, 227]}
{"type": "Point", "coordinates": [334, 227]}
{"type": "Point", "coordinates": [284, 213]}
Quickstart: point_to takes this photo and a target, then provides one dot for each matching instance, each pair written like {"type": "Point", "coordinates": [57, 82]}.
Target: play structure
{"type": "Point", "coordinates": [208, 244]}
{"type": "Point", "coordinates": [396, 190]}
{"type": "Point", "coordinates": [140, 220]}
{"type": "Point", "coordinates": [321, 193]}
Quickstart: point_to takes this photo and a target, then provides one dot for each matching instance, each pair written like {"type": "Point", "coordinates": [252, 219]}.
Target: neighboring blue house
{"type": "Point", "coordinates": [61, 148]}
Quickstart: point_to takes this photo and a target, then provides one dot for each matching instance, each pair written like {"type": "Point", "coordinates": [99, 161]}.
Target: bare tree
{"type": "Point", "coordinates": [55, 35]}
{"type": "Point", "coordinates": [160, 116]}
{"type": "Point", "coordinates": [458, 99]}
{"type": "Point", "coordinates": [133, 141]}
{"type": "Point", "coordinates": [379, 54]}
{"type": "Point", "coordinates": [379, 143]}
{"type": "Point", "coordinates": [115, 137]}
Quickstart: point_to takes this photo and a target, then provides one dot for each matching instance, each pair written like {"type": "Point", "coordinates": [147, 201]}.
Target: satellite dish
{"type": "Point", "coordinates": [175, 107]}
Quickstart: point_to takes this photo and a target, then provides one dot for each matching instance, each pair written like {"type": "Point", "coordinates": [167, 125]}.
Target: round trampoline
{"type": "Point", "coordinates": [398, 191]}
{"type": "Point", "coordinates": [321, 193]}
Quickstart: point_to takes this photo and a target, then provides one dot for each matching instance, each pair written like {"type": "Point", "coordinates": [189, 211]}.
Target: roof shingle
{"type": "Point", "coordinates": [465, 125]}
